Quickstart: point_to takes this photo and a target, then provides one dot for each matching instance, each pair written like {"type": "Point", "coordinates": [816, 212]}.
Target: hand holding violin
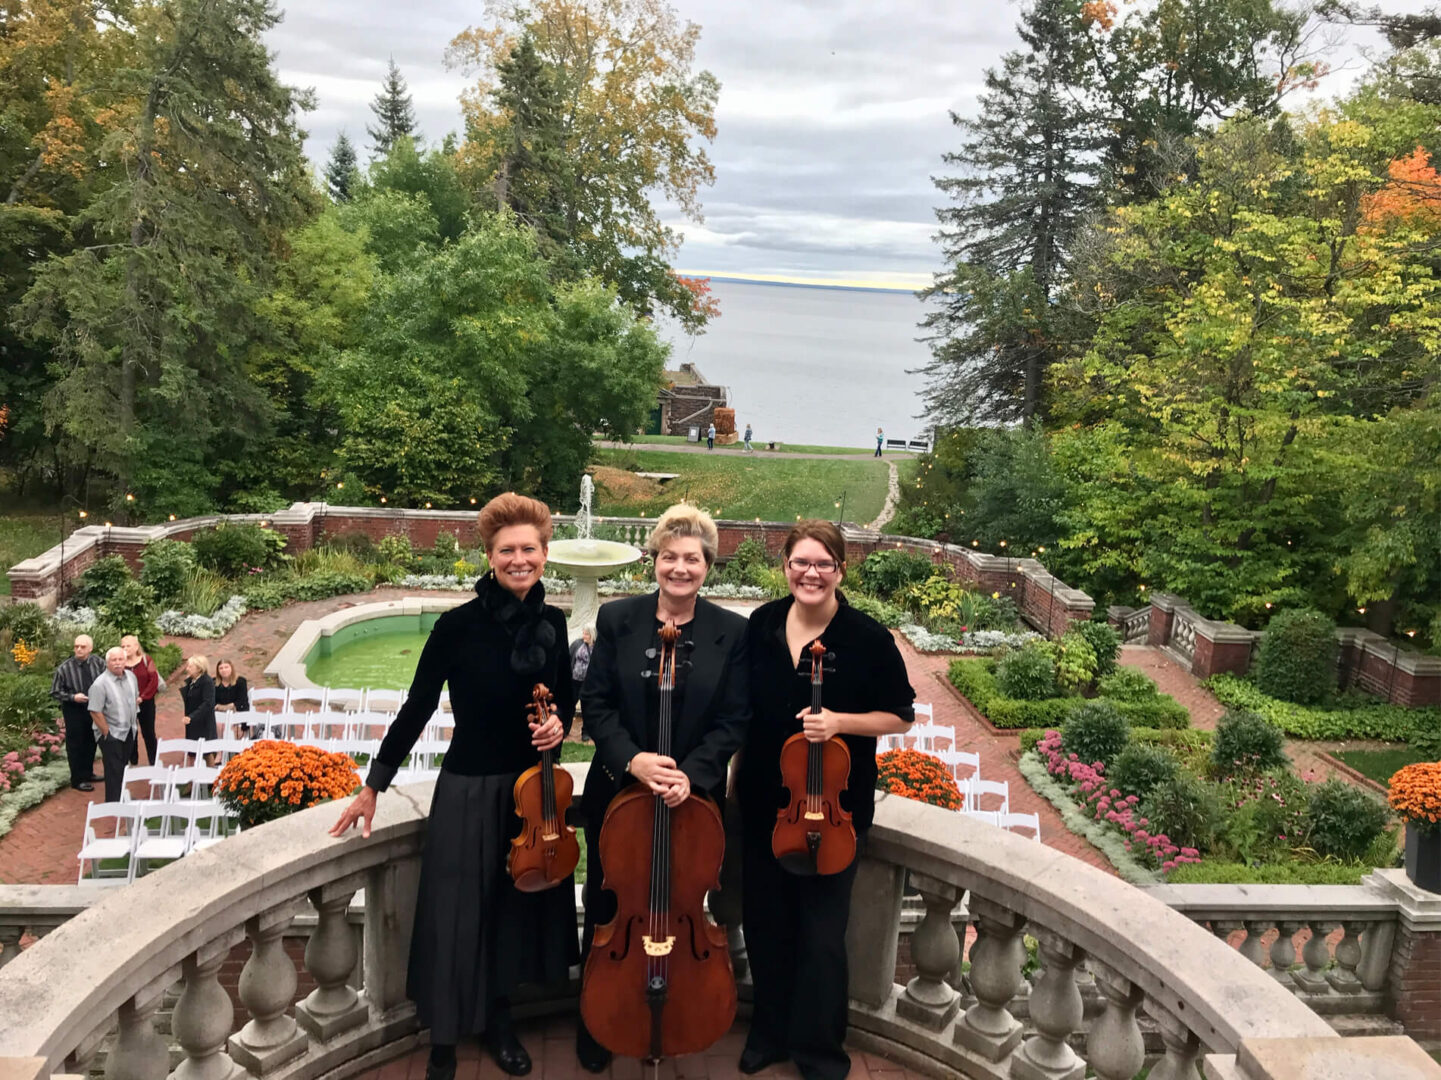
{"type": "Point", "coordinates": [548, 734]}
{"type": "Point", "coordinates": [819, 726]}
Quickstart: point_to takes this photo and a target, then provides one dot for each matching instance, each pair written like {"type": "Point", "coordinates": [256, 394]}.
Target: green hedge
{"type": "Point", "coordinates": [1215, 872]}
{"type": "Point", "coordinates": [1183, 740]}
{"type": "Point", "coordinates": [1392, 723]}
{"type": "Point", "coordinates": [975, 678]}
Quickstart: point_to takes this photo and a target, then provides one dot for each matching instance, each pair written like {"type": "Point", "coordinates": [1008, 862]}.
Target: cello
{"type": "Point", "coordinates": [658, 980]}
{"type": "Point", "coordinates": [814, 833]}
{"type": "Point", "coordinates": [546, 851]}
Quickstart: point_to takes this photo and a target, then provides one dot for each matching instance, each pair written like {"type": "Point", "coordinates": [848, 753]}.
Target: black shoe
{"type": "Point", "coordinates": [440, 1072]}
{"type": "Point", "coordinates": [84, 785]}
{"type": "Point", "coordinates": [592, 1056]}
{"type": "Point", "coordinates": [753, 1061]}
{"type": "Point", "coordinates": [505, 1048]}
{"type": "Point", "coordinates": [94, 779]}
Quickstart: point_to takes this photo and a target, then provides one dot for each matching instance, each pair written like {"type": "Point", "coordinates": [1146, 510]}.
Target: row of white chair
{"type": "Point", "coordinates": [326, 698]}
{"type": "Point", "coordinates": [163, 783]}
{"type": "Point", "coordinates": [302, 725]}
{"type": "Point", "coordinates": [144, 832]}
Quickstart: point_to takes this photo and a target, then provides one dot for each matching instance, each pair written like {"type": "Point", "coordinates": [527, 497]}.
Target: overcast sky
{"type": "Point", "coordinates": [832, 119]}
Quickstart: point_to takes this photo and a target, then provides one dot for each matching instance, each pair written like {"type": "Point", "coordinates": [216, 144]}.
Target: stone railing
{"type": "Point", "coordinates": [1145, 968]}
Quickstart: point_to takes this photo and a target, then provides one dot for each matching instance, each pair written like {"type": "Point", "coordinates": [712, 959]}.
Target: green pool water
{"type": "Point", "coordinates": [380, 653]}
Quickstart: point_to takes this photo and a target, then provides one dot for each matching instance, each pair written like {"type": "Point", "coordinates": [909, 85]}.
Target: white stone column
{"type": "Point", "coordinates": [873, 931]}
{"type": "Point", "coordinates": [1183, 1050]}
{"type": "Point", "coordinates": [267, 985]}
{"type": "Point", "coordinates": [10, 935]}
{"type": "Point", "coordinates": [997, 956]}
{"type": "Point", "coordinates": [927, 999]}
{"type": "Point", "coordinates": [1342, 977]}
{"type": "Point", "coordinates": [1283, 953]}
{"type": "Point", "coordinates": [140, 1052]}
{"type": "Point", "coordinates": [333, 1007]}
{"type": "Point", "coordinates": [1114, 1047]}
{"type": "Point", "coordinates": [204, 1016]}
{"type": "Point", "coordinates": [390, 893]}
{"type": "Point", "coordinates": [1056, 1010]}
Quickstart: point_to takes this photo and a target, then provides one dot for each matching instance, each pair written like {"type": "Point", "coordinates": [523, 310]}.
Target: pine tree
{"type": "Point", "coordinates": [533, 177]}
{"type": "Point", "coordinates": [393, 111]}
{"type": "Point", "coordinates": [340, 170]}
{"type": "Point", "coordinates": [1027, 183]}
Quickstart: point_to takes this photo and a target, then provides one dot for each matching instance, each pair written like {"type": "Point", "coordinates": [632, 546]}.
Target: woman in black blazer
{"type": "Point", "coordinates": [710, 702]}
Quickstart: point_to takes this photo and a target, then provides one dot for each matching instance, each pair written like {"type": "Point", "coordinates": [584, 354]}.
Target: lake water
{"type": "Point", "coordinates": [804, 365]}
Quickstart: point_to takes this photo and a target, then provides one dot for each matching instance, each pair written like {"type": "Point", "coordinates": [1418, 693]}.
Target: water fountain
{"type": "Point", "coordinates": [588, 560]}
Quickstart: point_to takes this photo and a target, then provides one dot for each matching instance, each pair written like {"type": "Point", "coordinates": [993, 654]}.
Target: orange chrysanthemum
{"type": "Point", "coordinates": [916, 775]}
{"type": "Point", "coordinates": [274, 778]}
{"type": "Point", "coordinates": [1416, 793]}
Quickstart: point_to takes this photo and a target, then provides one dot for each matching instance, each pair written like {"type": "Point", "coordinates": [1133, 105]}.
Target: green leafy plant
{"type": "Point", "coordinates": [1343, 821]}
{"type": "Point", "coordinates": [131, 609]}
{"type": "Point", "coordinates": [1246, 743]}
{"type": "Point", "coordinates": [1075, 662]}
{"type": "Point", "coordinates": [204, 591]}
{"type": "Point", "coordinates": [395, 549]}
{"type": "Point", "coordinates": [100, 581]}
{"type": "Point", "coordinates": [1104, 642]}
{"type": "Point", "coordinates": [1140, 767]}
{"type": "Point", "coordinates": [1027, 674]}
{"type": "Point", "coordinates": [233, 550]}
{"type": "Point", "coordinates": [1128, 684]}
{"type": "Point", "coordinates": [1095, 731]}
{"type": "Point", "coordinates": [1184, 808]}
{"type": "Point", "coordinates": [890, 571]}
{"type": "Point", "coordinates": [1347, 719]}
{"type": "Point", "coordinates": [164, 566]}
{"type": "Point", "coordinates": [748, 557]}
{"type": "Point", "coordinates": [888, 615]}
{"type": "Point", "coordinates": [935, 598]}
{"type": "Point", "coordinates": [1297, 658]}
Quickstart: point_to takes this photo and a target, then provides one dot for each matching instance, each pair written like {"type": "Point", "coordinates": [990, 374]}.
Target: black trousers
{"type": "Point", "coordinates": [147, 732]}
{"type": "Point", "coordinates": [79, 741]}
{"type": "Point", "coordinates": [795, 931]}
{"type": "Point", "coordinates": [115, 753]}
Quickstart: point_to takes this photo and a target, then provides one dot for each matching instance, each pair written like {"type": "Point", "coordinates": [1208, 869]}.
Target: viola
{"type": "Point", "coordinates": [658, 980]}
{"type": "Point", "coordinates": [814, 833]}
{"type": "Point", "coordinates": [546, 851]}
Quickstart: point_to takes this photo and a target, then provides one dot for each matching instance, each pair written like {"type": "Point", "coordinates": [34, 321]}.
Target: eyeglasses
{"type": "Point", "coordinates": [801, 566]}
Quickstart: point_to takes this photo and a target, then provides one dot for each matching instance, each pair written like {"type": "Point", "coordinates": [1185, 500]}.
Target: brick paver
{"type": "Point", "coordinates": [1175, 680]}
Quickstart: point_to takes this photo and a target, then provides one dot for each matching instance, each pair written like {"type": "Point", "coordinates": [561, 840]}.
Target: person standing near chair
{"type": "Point", "coordinates": [477, 938]}
{"type": "Point", "coordinates": [795, 926]}
{"type": "Point", "coordinates": [232, 695]}
{"type": "Point", "coordinates": [198, 698]}
{"type": "Point", "coordinates": [114, 703]}
{"type": "Point", "coordinates": [150, 683]}
{"type": "Point", "coordinates": [68, 687]}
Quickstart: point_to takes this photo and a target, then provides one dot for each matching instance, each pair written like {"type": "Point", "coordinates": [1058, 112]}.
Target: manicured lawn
{"type": "Point", "coordinates": [1379, 765]}
{"type": "Point", "coordinates": [731, 486]}
{"type": "Point", "coordinates": [789, 448]}
{"type": "Point", "coordinates": [24, 535]}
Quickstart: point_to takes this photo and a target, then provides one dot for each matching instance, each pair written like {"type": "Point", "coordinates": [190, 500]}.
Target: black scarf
{"type": "Point", "coordinates": [531, 634]}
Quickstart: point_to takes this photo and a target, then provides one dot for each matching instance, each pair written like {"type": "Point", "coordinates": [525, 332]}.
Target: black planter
{"type": "Point", "coordinates": [1423, 857]}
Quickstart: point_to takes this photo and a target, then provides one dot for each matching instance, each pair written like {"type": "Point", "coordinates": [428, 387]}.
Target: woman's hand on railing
{"type": "Point", "coordinates": [361, 809]}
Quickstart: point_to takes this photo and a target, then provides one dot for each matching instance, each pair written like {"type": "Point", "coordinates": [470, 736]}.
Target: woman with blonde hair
{"type": "Point", "coordinates": [476, 936]}
{"type": "Point", "coordinates": [198, 697]}
{"type": "Point", "coordinates": [710, 703]}
{"type": "Point", "coordinates": [148, 682]}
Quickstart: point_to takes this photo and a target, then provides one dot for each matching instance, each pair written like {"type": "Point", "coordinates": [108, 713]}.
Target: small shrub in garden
{"type": "Point", "coordinates": [1095, 731]}
{"type": "Point", "coordinates": [888, 615]}
{"type": "Point", "coordinates": [1104, 642]}
{"type": "Point", "coordinates": [1075, 662]}
{"type": "Point", "coordinates": [1139, 768]}
{"type": "Point", "coordinates": [446, 547]}
{"type": "Point", "coordinates": [356, 543]}
{"type": "Point", "coordinates": [131, 609]}
{"type": "Point", "coordinates": [28, 623]}
{"type": "Point", "coordinates": [919, 776]}
{"type": "Point", "coordinates": [395, 549]}
{"type": "Point", "coordinates": [1297, 658]}
{"type": "Point", "coordinates": [233, 550]}
{"type": "Point", "coordinates": [749, 557]}
{"type": "Point", "coordinates": [99, 581]}
{"type": "Point", "coordinates": [1343, 821]}
{"type": "Point", "coordinates": [886, 573]}
{"type": "Point", "coordinates": [1027, 674]}
{"type": "Point", "coordinates": [327, 583]}
{"type": "Point", "coordinates": [1128, 684]}
{"type": "Point", "coordinates": [1246, 743]}
{"type": "Point", "coordinates": [165, 564]}
{"type": "Point", "coordinates": [1186, 809]}
{"type": "Point", "coordinates": [935, 598]}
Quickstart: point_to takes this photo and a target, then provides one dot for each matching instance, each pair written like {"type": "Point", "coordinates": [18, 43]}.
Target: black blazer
{"type": "Point", "coordinates": [714, 715]}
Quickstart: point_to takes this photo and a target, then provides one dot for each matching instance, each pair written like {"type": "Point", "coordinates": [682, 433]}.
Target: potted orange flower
{"type": "Point", "coordinates": [1416, 797]}
{"type": "Point", "coordinates": [273, 778]}
{"type": "Point", "coordinates": [918, 776]}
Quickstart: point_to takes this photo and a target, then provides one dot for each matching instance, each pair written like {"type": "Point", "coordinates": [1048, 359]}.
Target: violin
{"type": "Point", "coordinates": [658, 980]}
{"type": "Point", "coordinates": [546, 851]}
{"type": "Point", "coordinates": [814, 833]}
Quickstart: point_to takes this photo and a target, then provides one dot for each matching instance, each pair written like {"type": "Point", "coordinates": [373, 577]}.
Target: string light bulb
{"type": "Point", "coordinates": [172, 517]}
{"type": "Point", "coordinates": [427, 506]}
{"type": "Point", "coordinates": [340, 483]}
{"type": "Point", "coordinates": [1268, 605]}
{"type": "Point", "coordinates": [84, 513]}
{"type": "Point", "coordinates": [129, 497]}
{"type": "Point", "coordinates": [472, 500]}
{"type": "Point", "coordinates": [1361, 610]}
{"type": "Point", "coordinates": [1410, 633]}
{"type": "Point", "coordinates": [382, 498]}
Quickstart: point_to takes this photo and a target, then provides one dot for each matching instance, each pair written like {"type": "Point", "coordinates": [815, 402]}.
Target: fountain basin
{"type": "Point", "coordinates": [597, 557]}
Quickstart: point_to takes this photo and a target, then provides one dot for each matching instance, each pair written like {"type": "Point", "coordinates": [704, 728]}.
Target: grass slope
{"type": "Point", "coordinates": [732, 486]}
{"type": "Point", "coordinates": [25, 534]}
{"type": "Point", "coordinates": [785, 447]}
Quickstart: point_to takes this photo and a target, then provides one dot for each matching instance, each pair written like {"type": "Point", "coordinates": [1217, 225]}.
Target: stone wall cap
{"type": "Point", "coordinates": [1290, 903]}
{"type": "Point", "coordinates": [1371, 1057]}
{"type": "Point", "coordinates": [1419, 909]}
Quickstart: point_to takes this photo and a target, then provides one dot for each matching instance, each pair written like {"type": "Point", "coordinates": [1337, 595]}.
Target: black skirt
{"type": "Point", "coordinates": [477, 937]}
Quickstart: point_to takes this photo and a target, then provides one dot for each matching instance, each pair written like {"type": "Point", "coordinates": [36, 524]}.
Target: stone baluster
{"type": "Point", "coordinates": [1317, 957]}
{"type": "Point", "coordinates": [927, 999]}
{"type": "Point", "coordinates": [204, 1016]}
{"type": "Point", "coordinates": [81, 1060]}
{"type": "Point", "coordinates": [267, 985]}
{"type": "Point", "coordinates": [10, 935]}
{"type": "Point", "coordinates": [1343, 976]}
{"type": "Point", "coordinates": [390, 892]}
{"type": "Point", "coordinates": [1375, 966]}
{"type": "Point", "coordinates": [1251, 948]}
{"type": "Point", "coordinates": [872, 934]}
{"type": "Point", "coordinates": [1283, 952]}
{"type": "Point", "coordinates": [1114, 1047]}
{"type": "Point", "coordinates": [1224, 928]}
{"type": "Point", "coordinates": [997, 956]}
{"type": "Point", "coordinates": [333, 1007]}
{"type": "Point", "coordinates": [140, 1052]}
{"type": "Point", "coordinates": [1056, 1012]}
{"type": "Point", "coordinates": [1183, 1050]}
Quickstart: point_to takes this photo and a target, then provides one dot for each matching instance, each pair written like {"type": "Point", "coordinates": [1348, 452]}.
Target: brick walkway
{"type": "Point", "coordinates": [551, 1045]}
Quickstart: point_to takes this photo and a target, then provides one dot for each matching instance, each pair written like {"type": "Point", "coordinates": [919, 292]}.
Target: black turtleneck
{"type": "Point", "coordinates": [490, 652]}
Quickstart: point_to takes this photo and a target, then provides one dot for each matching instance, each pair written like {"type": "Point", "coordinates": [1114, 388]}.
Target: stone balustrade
{"type": "Point", "coordinates": [1115, 964]}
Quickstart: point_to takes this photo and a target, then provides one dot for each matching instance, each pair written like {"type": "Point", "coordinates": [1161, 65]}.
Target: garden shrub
{"type": "Point", "coordinates": [1427, 740]}
{"type": "Point", "coordinates": [395, 549]}
{"type": "Point", "coordinates": [1219, 871]}
{"type": "Point", "coordinates": [977, 680]}
{"type": "Point", "coordinates": [165, 564]}
{"type": "Point", "coordinates": [263, 595]}
{"type": "Point", "coordinates": [204, 591]}
{"type": "Point", "coordinates": [325, 584]}
{"type": "Point", "coordinates": [232, 550]}
{"type": "Point", "coordinates": [25, 702]}
{"type": "Point", "coordinates": [1104, 642]}
{"type": "Point", "coordinates": [28, 623]}
{"type": "Point", "coordinates": [935, 598]}
{"type": "Point", "coordinates": [1140, 767]}
{"type": "Point", "coordinates": [167, 659]}
{"type": "Point", "coordinates": [131, 609]}
{"type": "Point", "coordinates": [1074, 660]}
{"type": "Point", "coordinates": [1297, 658]}
{"type": "Point", "coordinates": [1376, 720]}
{"type": "Point", "coordinates": [1246, 743]}
{"type": "Point", "coordinates": [1184, 808]}
{"type": "Point", "coordinates": [886, 573]}
{"type": "Point", "coordinates": [1095, 731]}
{"type": "Point", "coordinates": [100, 580]}
{"type": "Point", "coordinates": [355, 542]}
{"type": "Point", "coordinates": [1128, 684]}
{"type": "Point", "coordinates": [1027, 674]}
{"type": "Point", "coordinates": [446, 547]}
{"type": "Point", "coordinates": [1343, 821]}
{"type": "Point", "coordinates": [749, 556]}
{"type": "Point", "coordinates": [888, 615]}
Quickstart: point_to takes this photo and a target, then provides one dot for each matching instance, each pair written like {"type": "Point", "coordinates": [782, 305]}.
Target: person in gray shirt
{"type": "Point", "coordinates": [114, 707]}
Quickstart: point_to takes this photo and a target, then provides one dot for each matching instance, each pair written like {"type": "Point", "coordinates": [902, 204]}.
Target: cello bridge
{"type": "Point", "coordinates": [550, 836]}
{"type": "Point", "coordinates": [812, 815]}
{"type": "Point", "coordinates": [657, 948]}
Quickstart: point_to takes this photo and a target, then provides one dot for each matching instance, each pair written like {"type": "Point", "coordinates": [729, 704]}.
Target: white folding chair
{"type": "Point", "coordinates": [926, 734]}
{"type": "Point", "coordinates": [164, 831]}
{"type": "Point", "coordinates": [445, 700]}
{"type": "Point", "coordinates": [890, 742]}
{"type": "Point", "coordinates": [119, 845]}
{"type": "Point", "coordinates": [958, 760]}
{"type": "Point", "coordinates": [426, 753]}
{"type": "Point", "coordinates": [268, 695]}
{"type": "Point", "coordinates": [990, 817]}
{"type": "Point", "coordinates": [1014, 822]}
{"type": "Point", "coordinates": [210, 824]}
{"type": "Point", "coordinates": [199, 778]}
{"type": "Point", "coordinates": [345, 700]}
{"type": "Point", "coordinates": [225, 749]}
{"type": "Point", "coordinates": [925, 713]}
{"type": "Point", "coordinates": [307, 695]}
{"type": "Point", "coordinates": [977, 789]}
{"type": "Point", "coordinates": [179, 746]}
{"type": "Point", "coordinates": [156, 778]}
{"type": "Point", "coordinates": [287, 726]}
{"type": "Point", "coordinates": [378, 700]}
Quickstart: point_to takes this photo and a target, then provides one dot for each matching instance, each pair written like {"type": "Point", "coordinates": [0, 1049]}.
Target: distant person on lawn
{"type": "Point", "coordinates": [749, 447]}
{"type": "Point", "coordinates": [150, 683]}
{"type": "Point", "coordinates": [114, 703]}
{"type": "Point", "coordinates": [710, 437]}
{"type": "Point", "coordinates": [880, 441]}
{"type": "Point", "coordinates": [69, 688]}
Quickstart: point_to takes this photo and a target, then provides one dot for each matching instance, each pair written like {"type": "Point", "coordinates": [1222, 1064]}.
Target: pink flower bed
{"type": "Point", "coordinates": [13, 765]}
{"type": "Point", "coordinates": [1110, 805]}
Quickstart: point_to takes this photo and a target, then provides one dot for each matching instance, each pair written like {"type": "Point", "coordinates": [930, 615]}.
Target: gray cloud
{"type": "Point", "coordinates": [832, 119]}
